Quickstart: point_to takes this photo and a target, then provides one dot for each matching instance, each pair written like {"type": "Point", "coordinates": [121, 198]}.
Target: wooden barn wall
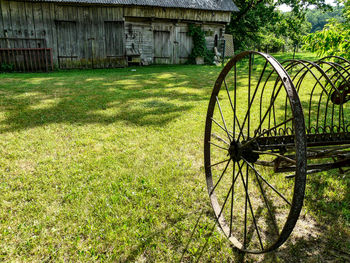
{"type": "Point", "coordinates": [139, 37]}
{"type": "Point", "coordinates": [100, 36]}
{"type": "Point", "coordinates": [76, 34]}
{"type": "Point", "coordinates": [210, 32]}
{"type": "Point", "coordinates": [178, 14]}
{"type": "Point", "coordinates": [165, 42]}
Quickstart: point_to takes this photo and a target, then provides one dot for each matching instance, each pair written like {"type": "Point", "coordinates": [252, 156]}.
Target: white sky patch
{"type": "Point", "coordinates": [286, 8]}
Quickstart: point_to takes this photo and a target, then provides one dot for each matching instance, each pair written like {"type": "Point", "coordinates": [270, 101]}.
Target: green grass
{"type": "Point", "coordinates": [107, 165]}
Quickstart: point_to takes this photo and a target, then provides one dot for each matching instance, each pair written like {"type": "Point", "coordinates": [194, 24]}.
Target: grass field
{"type": "Point", "coordinates": [107, 165]}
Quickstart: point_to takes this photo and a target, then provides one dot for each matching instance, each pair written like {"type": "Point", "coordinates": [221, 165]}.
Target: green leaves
{"type": "Point", "coordinates": [334, 39]}
{"type": "Point", "coordinates": [199, 45]}
{"type": "Point", "coordinates": [259, 20]}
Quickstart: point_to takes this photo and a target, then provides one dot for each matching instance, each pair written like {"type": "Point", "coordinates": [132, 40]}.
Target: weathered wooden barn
{"type": "Point", "coordinates": [38, 34]}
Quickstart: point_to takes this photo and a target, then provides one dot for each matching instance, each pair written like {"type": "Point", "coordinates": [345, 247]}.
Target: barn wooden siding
{"type": "Point", "coordinates": [86, 36]}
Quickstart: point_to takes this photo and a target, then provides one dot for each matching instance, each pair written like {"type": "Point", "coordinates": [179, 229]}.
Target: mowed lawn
{"type": "Point", "coordinates": [107, 165]}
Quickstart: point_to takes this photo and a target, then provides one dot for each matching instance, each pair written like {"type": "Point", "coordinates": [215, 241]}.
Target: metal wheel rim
{"type": "Point", "coordinates": [300, 142]}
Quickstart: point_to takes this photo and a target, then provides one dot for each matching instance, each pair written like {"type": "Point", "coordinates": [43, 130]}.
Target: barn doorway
{"type": "Point", "coordinates": [114, 42]}
{"type": "Point", "coordinates": [66, 44]}
{"type": "Point", "coordinates": [162, 47]}
{"type": "Point", "coordinates": [186, 45]}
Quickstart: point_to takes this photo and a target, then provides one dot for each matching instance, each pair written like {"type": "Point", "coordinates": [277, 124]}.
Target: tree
{"type": "Point", "coordinates": [246, 24]}
{"type": "Point", "coordinates": [294, 28]}
{"type": "Point", "coordinates": [334, 39]}
{"type": "Point", "coordinates": [260, 20]}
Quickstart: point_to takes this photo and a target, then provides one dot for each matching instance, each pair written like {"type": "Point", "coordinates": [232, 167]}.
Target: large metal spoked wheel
{"type": "Point", "coordinates": [255, 207]}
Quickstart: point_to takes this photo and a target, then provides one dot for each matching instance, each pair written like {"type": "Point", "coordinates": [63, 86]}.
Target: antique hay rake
{"type": "Point", "coordinates": [269, 125]}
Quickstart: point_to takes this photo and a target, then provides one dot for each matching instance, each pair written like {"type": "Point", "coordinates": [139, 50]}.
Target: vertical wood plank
{"type": "Point", "coordinates": [22, 20]}
{"type": "Point", "coordinates": [89, 35]}
{"type": "Point", "coordinates": [16, 31]}
{"type": "Point", "coordinates": [47, 34]}
{"type": "Point", "coordinates": [100, 35]}
{"type": "Point", "coordinates": [7, 24]}
{"type": "Point", "coordinates": [58, 12]}
{"type": "Point", "coordinates": [23, 25]}
{"type": "Point", "coordinates": [79, 42]}
{"type": "Point", "coordinates": [85, 32]}
{"type": "Point", "coordinates": [93, 34]}
{"type": "Point", "coordinates": [53, 18]}
{"type": "Point", "coordinates": [72, 12]}
{"type": "Point", "coordinates": [38, 23]}
{"type": "Point", "coordinates": [25, 57]}
{"type": "Point", "coordinates": [66, 40]}
{"type": "Point", "coordinates": [1, 23]}
{"type": "Point", "coordinates": [7, 17]}
{"type": "Point", "coordinates": [28, 10]}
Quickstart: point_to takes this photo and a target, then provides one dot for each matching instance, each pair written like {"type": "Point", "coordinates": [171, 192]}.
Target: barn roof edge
{"type": "Point", "coordinates": [209, 5]}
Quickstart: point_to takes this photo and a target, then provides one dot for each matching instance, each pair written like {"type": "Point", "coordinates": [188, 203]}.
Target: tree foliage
{"type": "Point", "coordinates": [260, 25]}
{"type": "Point", "coordinates": [246, 25]}
{"type": "Point", "coordinates": [199, 45]}
{"type": "Point", "coordinates": [319, 18]}
{"type": "Point", "coordinates": [334, 39]}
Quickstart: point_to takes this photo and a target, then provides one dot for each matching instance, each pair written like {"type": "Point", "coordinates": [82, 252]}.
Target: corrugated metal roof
{"type": "Point", "coordinates": [215, 5]}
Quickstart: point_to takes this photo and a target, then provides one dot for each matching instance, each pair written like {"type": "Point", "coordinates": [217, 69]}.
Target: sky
{"type": "Point", "coordinates": [286, 8]}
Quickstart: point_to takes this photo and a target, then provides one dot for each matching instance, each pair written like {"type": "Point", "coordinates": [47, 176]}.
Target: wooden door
{"type": "Point", "coordinates": [186, 45]}
{"type": "Point", "coordinates": [114, 43]}
{"type": "Point", "coordinates": [67, 44]}
{"type": "Point", "coordinates": [162, 47]}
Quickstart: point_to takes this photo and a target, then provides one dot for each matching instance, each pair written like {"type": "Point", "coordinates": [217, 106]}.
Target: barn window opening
{"type": "Point", "coordinates": [216, 40]}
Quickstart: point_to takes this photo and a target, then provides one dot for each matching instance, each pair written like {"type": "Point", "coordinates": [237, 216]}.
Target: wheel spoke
{"type": "Point", "coordinates": [228, 194]}
{"type": "Point", "coordinates": [211, 192]}
{"type": "Point", "coordinates": [234, 111]}
{"type": "Point", "coordinates": [223, 119]}
{"type": "Point", "coordinates": [265, 181]}
{"type": "Point", "coordinates": [218, 146]}
{"type": "Point", "coordinates": [251, 211]}
{"type": "Point", "coordinates": [219, 163]}
{"type": "Point", "coordinates": [214, 135]}
{"type": "Point", "coordinates": [245, 211]}
{"type": "Point", "coordinates": [224, 129]}
{"type": "Point", "coordinates": [251, 102]}
{"type": "Point", "coordinates": [267, 204]}
{"type": "Point", "coordinates": [233, 192]}
{"type": "Point", "coordinates": [224, 204]}
{"type": "Point", "coordinates": [235, 100]}
{"type": "Point", "coordinates": [269, 108]}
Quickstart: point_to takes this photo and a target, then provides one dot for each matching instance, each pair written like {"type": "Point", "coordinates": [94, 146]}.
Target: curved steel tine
{"type": "Point", "coordinates": [306, 67]}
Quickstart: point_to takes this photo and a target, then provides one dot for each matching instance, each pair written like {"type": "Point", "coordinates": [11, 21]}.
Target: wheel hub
{"type": "Point", "coordinates": [238, 150]}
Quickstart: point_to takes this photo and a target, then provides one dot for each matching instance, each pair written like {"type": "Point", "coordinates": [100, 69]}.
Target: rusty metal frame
{"type": "Point", "coordinates": [34, 59]}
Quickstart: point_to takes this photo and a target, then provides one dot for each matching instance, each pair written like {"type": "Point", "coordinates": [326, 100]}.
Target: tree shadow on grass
{"type": "Point", "coordinates": [322, 233]}
{"type": "Point", "coordinates": [143, 99]}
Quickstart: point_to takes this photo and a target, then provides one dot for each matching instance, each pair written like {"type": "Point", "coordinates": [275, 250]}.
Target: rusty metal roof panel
{"type": "Point", "coordinates": [214, 5]}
